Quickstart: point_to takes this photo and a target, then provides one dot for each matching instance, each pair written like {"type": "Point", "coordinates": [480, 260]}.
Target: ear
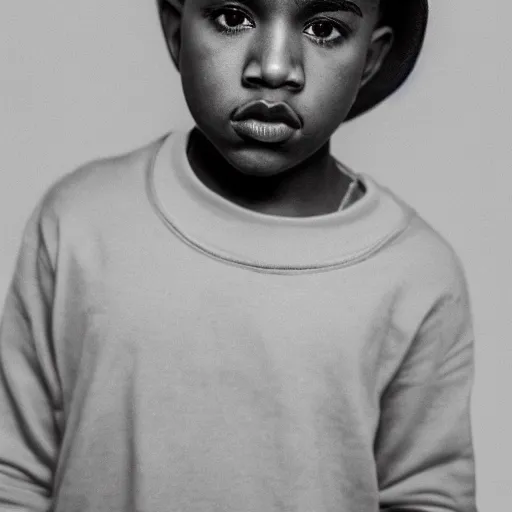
{"type": "Point", "coordinates": [381, 42]}
{"type": "Point", "coordinates": [171, 12]}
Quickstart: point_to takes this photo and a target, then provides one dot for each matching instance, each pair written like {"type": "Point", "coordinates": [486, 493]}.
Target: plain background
{"type": "Point", "coordinates": [81, 80]}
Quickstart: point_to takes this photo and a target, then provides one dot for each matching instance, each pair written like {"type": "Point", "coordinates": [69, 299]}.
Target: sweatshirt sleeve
{"type": "Point", "coordinates": [423, 448]}
{"type": "Point", "coordinates": [29, 402]}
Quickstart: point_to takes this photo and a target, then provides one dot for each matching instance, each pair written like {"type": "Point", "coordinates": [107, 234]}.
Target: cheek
{"type": "Point", "coordinates": [208, 68]}
{"type": "Point", "coordinates": [332, 87]}
{"type": "Point", "coordinates": [344, 69]}
{"type": "Point", "coordinates": [195, 66]}
{"type": "Point", "coordinates": [201, 87]}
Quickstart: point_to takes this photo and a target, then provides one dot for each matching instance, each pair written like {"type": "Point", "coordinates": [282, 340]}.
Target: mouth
{"type": "Point", "coordinates": [263, 131]}
{"type": "Point", "coordinates": [266, 122]}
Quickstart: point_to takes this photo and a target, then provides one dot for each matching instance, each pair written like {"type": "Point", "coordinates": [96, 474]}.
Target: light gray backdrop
{"type": "Point", "coordinates": [79, 80]}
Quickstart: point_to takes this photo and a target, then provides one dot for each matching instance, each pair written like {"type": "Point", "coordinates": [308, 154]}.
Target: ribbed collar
{"type": "Point", "coordinates": [267, 243]}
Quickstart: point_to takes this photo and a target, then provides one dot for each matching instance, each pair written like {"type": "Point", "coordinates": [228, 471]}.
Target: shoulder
{"type": "Point", "coordinates": [89, 197]}
{"type": "Point", "coordinates": [424, 258]}
{"type": "Point", "coordinates": [422, 273]}
{"type": "Point", "coordinates": [436, 261]}
{"type": "Point", "coordinates": [102, 181]}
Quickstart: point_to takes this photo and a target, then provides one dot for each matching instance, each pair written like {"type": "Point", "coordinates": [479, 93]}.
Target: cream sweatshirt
{"type": "Point", "coordinates": [164, 350]}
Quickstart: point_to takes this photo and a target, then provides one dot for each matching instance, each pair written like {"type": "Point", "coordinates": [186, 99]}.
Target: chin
{"type": "Point", "coordinates": [259, 163]}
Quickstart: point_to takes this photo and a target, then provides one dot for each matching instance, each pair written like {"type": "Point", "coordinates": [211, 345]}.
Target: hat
{"type": "Point", "coordinates": [408, 19]}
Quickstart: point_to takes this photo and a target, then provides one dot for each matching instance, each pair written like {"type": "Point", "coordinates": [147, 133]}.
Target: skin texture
{"type": "Point", "coordinates": [231, 52]}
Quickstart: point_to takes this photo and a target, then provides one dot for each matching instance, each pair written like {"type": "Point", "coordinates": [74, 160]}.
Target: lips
{"type": "Point", "coordinates": [266, 122]}
{"type": "Point", "coordinates": [262, 110]}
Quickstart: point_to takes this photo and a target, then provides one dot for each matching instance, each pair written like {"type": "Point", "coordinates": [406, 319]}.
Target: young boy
{"type": "Point", "coordinates": [229, 319]}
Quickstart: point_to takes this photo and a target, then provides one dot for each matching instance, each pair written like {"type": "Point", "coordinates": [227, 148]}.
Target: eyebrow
{"type": "Point", "coordinates": [329, 6]}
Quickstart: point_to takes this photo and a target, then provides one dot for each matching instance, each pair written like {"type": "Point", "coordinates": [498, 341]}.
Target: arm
{"type": "Point", "coordinates": [28, 381]}
{"type": "Point", "coordinates": [423, 447]}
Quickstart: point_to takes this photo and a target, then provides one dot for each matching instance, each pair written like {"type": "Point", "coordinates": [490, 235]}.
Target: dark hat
{"type": "Point", "coordinates": [408, 18]}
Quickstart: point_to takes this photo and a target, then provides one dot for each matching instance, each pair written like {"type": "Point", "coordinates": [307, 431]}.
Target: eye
{"type": "Point", "coordinates": [232, 20]}
{"type": "Point", "coordinates": [325, 32]}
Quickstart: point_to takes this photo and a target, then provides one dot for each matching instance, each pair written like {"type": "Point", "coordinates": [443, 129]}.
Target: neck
{"type": "Point", "coordinates": [313, 187]}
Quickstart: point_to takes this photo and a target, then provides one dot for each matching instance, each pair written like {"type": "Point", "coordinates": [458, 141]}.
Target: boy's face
{"type": "Point", "coordinates": [303, 60]}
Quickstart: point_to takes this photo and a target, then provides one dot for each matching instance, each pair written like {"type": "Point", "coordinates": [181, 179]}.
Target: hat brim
{"type": "Point", "coordinates": [409, 22]}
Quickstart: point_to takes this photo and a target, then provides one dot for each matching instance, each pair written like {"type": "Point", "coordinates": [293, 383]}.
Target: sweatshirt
{"type": "Point", "coordinates": [165, 350]}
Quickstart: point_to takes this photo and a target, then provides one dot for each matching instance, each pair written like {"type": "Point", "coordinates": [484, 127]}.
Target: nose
{"type": "Point", "coordinates": [275, 61]}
